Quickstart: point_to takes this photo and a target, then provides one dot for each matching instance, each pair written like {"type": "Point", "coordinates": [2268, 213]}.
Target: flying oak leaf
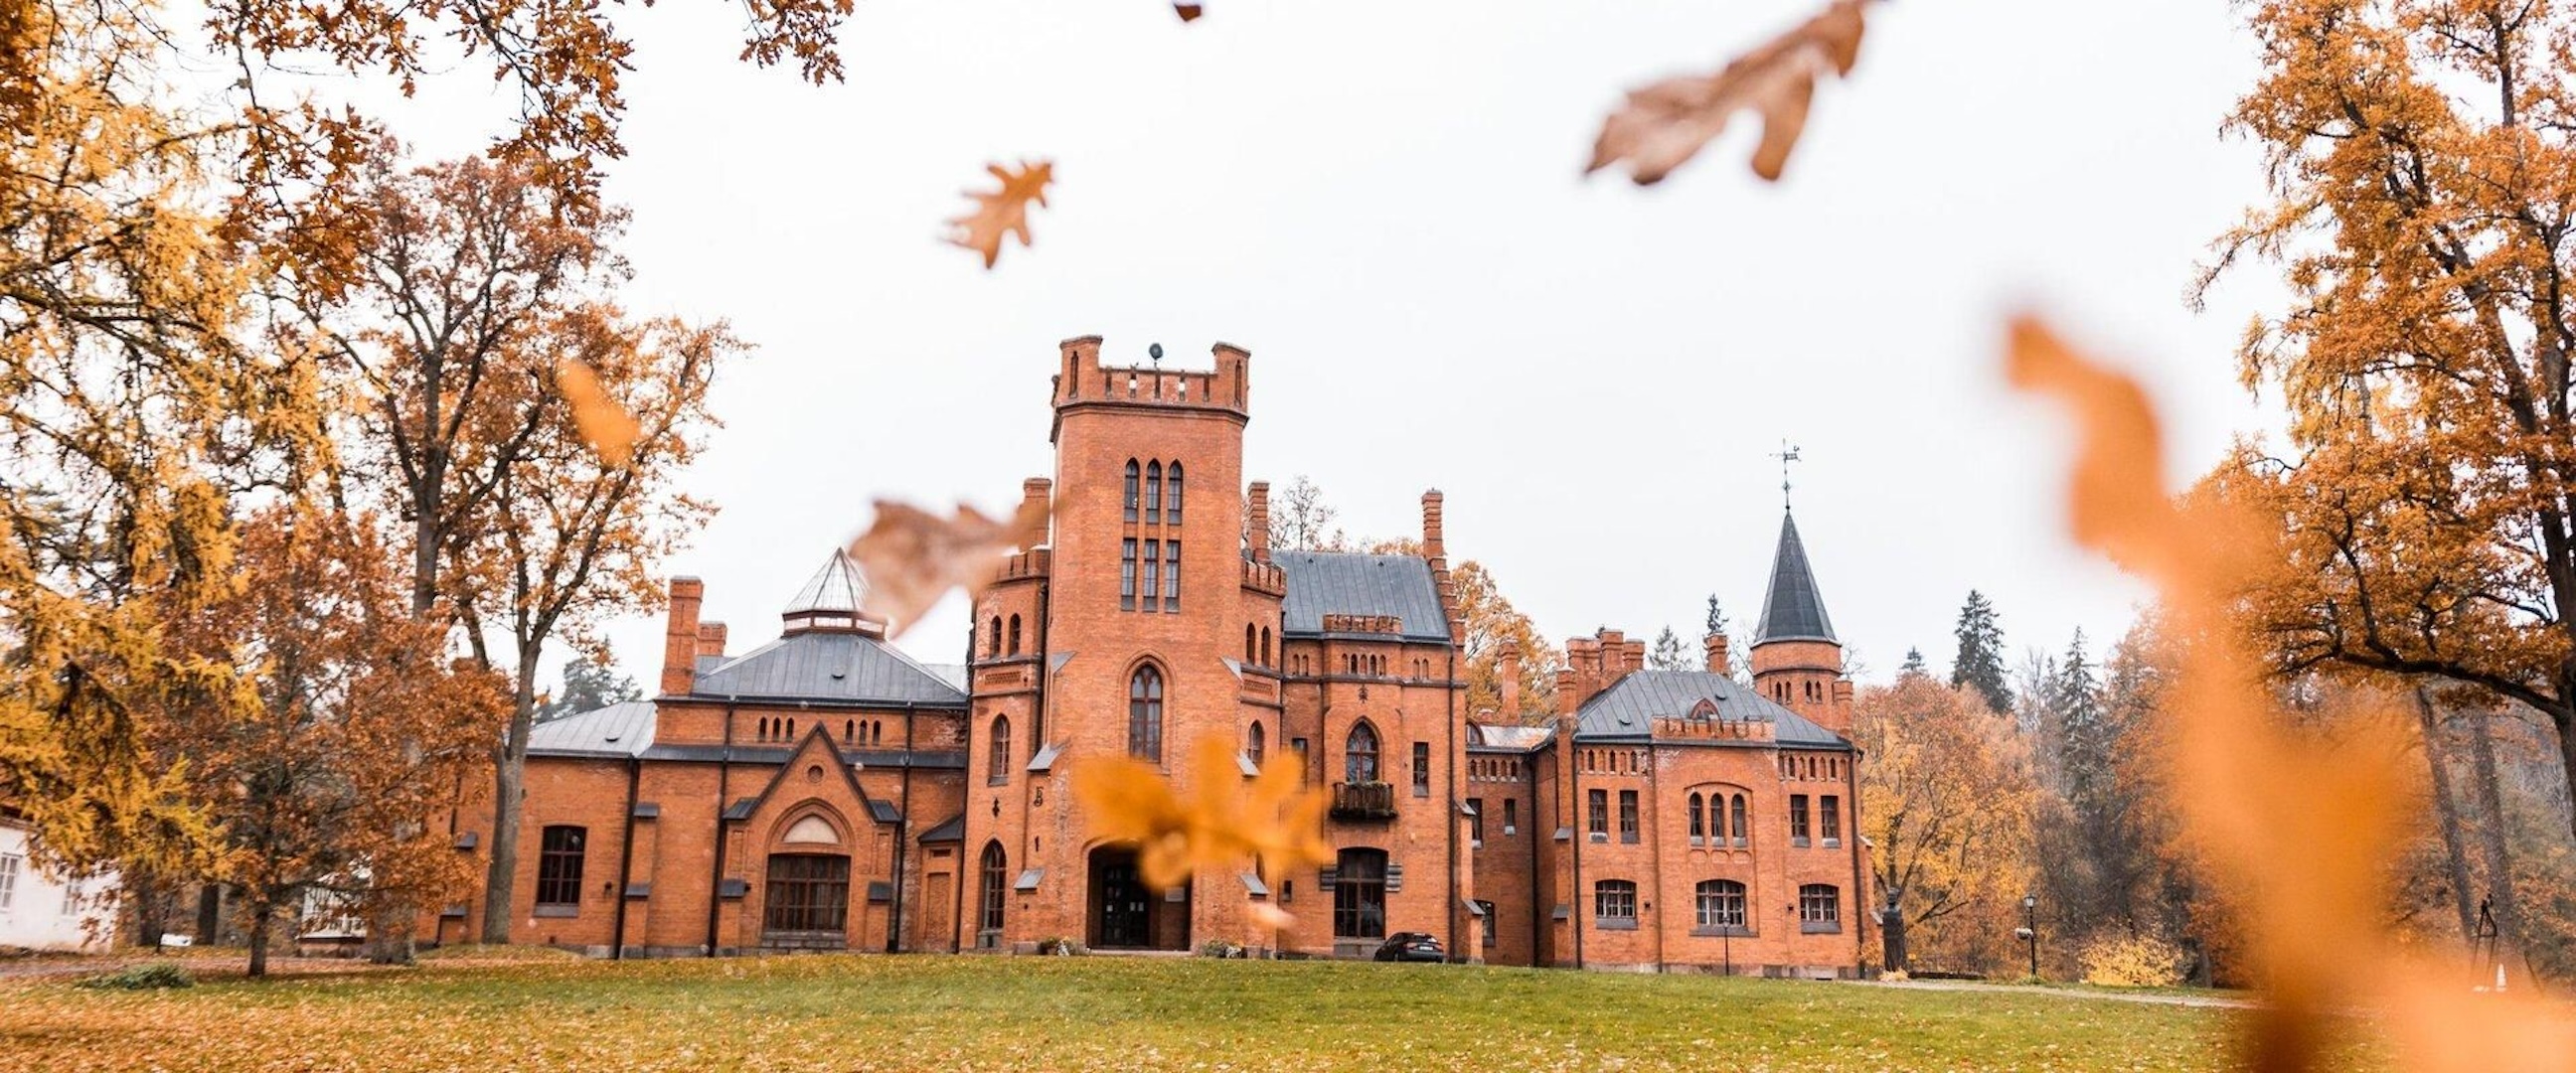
{"type": "Point", "coordinates": [1665, 124]}
{"type": "Point", "coordinates": [1188, 11]}
{"type": "Point", "coordinates": [1212, 824]}
{"type": "Point", "coordinates": [1004, 211]}
{"type": "Point", "coordinates": [913, 557]}
{"type": "Point", "coordinates": [604, 425]}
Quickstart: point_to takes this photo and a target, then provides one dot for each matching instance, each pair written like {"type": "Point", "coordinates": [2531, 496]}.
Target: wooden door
{"type": "Point", "coordinates": [939, 912]}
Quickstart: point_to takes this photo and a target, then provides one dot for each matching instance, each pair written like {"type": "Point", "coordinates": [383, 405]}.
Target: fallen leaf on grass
{"type": "Point", "coordinates": [1002, 212]}
{"type": "Point", "coordinates": [1665, 124]}
{"type": "Point", "coordinates": [1219, 822]}
{"type": "Point", "coordinates": [604, 425]}
{"type": "Point", "coordinates": [912, 557]}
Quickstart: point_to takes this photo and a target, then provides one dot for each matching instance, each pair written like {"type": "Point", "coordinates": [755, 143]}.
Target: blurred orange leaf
{"type": "Point", "coordinates": [1220, 821]}
{"type": "Point", "coordinates": [913, 557]}
{"type": "Point", "coordinates": [604, 424]}
{"type": "Point", "coordinates": [1188, 11]}
{"type": "Point", "coordinates": [1004, 211]}
{"type": "Point", "coordinates": [1665, 124]}
{"type": "Point", "coordinates": [2305, 855]}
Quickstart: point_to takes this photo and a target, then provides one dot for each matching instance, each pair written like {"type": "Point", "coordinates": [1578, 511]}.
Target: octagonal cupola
{"type": "Point", "coordinates": [831, 601]}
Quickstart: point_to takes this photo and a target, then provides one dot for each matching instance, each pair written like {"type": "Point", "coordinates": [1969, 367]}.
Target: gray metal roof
{"type": "Point", "coordinates": [1627, 710]}
{"type": "Point", "coordinates": [621, 729]}
{"type": "Point", "coordinates": [952, 829]}
{"type": "Point", "coordinates": [829, 666]}
{"type": "Point", "coordinates": [1793, 609]}
{"type": "Point", "coordinates": [1324, 583]}
{"type": "Point", "coordinates": [1491, 736]}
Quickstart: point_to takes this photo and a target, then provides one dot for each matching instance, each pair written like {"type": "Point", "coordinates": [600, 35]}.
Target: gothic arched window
{"type": "Point", "coordinates": [1254, 743]}
{"type": "Point", "coordinates": [1172, 496]}
{"type": "Point", "coordinates": [998, 762]}
{"type": "Point", "coordinates": [1359, 753]}
{"type": "Point", "coordinates": [995, 881]}
{"type": "Point", "coordinates": [1130, 499]}
{"type": "Point", "coordinates": [1698, 830]}
{"type": "Point", "coordinates": [1015, 635]}
{"type": "Point", "coordinates": [1145, 714]}
{"type": "Point", "coordinates": [1153, 491]}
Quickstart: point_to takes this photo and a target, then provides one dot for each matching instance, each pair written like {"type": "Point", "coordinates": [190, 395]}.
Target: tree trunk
{"type": "Point", "coordinates": [259, 928]}
{"type": "Point", "coordinates": [2499, 858]}
{"type": "Point", "coordinates": [2446, 809]}
{"type": "Point", "coordinates": [509, 774]}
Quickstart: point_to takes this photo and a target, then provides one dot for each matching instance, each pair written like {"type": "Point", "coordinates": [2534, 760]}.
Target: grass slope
{"type": "Point", "coordinates": [919, 1012]}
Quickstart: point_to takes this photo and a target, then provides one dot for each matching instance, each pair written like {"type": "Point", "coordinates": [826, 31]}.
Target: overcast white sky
{"type": "Point", "coordinates": [1383, 203]}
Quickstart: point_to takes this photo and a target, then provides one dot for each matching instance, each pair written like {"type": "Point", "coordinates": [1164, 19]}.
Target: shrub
{"type": "Point", "coordinates": [150, 976]}
{"type": "Point", "coordinates": [2132, 961]}
{"type": "Point", "coordinates": [1060, 946]}
{"type": "Point", "coordinates": [1220, 948]}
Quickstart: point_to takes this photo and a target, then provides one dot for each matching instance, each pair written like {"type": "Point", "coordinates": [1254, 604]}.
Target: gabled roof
{"type": "Point", "coordinates": [1627, 710]}
{"type": "Point", "coordinates": [1793, 610]}
{"type": "Point", "coordinates": [621, 729]}
{"type": "Point", "coordinates": [1324, 583]}
{"type": "Point", "coordinates": [834, 667]}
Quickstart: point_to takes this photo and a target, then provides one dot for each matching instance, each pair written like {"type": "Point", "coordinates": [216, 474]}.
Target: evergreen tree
{"type": "Point", "coordinates": [1980, 662]}
{"type": "Point", "coordinates": [1667, 654]}
{"type": "Point", "coordinates": [1716, 617]}
{"type": "Point", "coordinates": [2084, 739]}
{"type": "Point", "coordinates": [1913, 663]}
{"type": "Point", "coordinates": [587, 687]}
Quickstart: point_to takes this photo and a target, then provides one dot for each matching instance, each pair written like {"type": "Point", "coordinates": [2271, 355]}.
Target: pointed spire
{"type": "Point", "coordinates": [1793, 610]}
{"type": "Point", "coordinates": [831, 599]}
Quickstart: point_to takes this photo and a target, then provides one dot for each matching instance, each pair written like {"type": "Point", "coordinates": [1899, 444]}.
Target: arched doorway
{"type": "Point", "coordinates": [1125, 914]}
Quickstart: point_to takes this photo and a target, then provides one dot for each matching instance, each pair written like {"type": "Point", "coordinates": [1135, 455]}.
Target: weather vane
{"type": "Point", "coordinates": [1786, 454]}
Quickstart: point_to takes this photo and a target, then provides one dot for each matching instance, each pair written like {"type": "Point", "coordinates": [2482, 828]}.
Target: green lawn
{"type": "Point", "coordinates": [1100, 1014]}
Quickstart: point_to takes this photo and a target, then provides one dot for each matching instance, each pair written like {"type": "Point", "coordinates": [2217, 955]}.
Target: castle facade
{"type": "Point", "coordinates": [827, 791]}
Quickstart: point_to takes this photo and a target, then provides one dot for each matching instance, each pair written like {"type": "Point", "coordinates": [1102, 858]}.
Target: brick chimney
{"type": "Point", "coordinates": [1257, 521]}
{"type": "Point", "coordinates": [1432, 547]}
{"type": "Point", "coordinates": [1716, 645]}
{"type": "Point", "coordinates": [1508, 670]}
{"type": "Point", "coordinates": [1035, 494]}
{"type": "Point", "coordinates": [711, 639]}
{"type": "Point", "coordinates": [680, 635]}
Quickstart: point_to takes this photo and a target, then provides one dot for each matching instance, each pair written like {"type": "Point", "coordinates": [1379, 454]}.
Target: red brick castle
{"type": "Point", "coordinates": [827, 791]}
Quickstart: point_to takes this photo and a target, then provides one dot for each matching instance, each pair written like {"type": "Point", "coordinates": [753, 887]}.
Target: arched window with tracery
{"type": "Point", "coordinates": [1172, 496]}
{"type": "Point", "coordinates": [1153, 491]}
{"type": "Point", "coordinates": [1145, 714]}
{"type": "Point", "coordinates": [1130, 497]}
{"type": "Point", "coordinates": [1359, 753]}
{"type": "Point", "coordinates": [997, 765]}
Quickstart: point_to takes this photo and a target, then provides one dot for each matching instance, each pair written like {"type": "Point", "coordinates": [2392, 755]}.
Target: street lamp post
{"type": "Point", "coordinates": [2029, 931]}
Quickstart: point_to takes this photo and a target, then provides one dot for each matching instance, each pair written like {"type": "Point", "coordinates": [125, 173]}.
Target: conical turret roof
{"type": "Point", "coordinates": [1793, 610]}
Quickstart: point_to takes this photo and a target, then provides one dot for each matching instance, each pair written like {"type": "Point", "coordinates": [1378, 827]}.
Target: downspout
{"type": "Point", "coordinates": [626, 859]}
{"type": "Point", "coordinates": [1037, 740]}
{"type": "Point", "coordinates": [1457, 906]}
{"type": "Point", "coordinates": [724, 791]}
{"type": "Point", "coordinates": [903, 823]}
{"type": "Point", "coordinates": [1579, 834]}
{"type": "Point", "coordinates": [1655, 830]}
{"type": "Point", "coordinates": [1851, 830]}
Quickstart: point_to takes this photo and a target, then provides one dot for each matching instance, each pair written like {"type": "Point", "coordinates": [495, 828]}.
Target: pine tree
{"type": "Point", "coordinates": [587, 687]}
{"type": "Point", "coordinates": [1716, 617]}
{"type": "Point", "coordinates": [1667, 654]}
{"type": "Point", "coordinates": [2083, 731]}
{"type": "Point", "coordinates": [1980, 662]}
{"type": "Point", "coordinates": [1913, 663]}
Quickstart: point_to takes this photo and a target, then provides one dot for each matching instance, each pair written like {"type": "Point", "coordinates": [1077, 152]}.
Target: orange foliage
{"type": "Point", "coordinates": [1003, 212]}
{"type": "Point", "coordinates": [1665, 124]}
{"type": "Point", "coordinates": [913, 557]}
{"type": "Point", "coordinates": [2304, 853]}
{"type": "Point", "coordinates": [1217, 823]}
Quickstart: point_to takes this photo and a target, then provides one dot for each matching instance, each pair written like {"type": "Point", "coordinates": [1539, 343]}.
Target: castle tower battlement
{"type": "Point", "coordinates": [1085, 381]}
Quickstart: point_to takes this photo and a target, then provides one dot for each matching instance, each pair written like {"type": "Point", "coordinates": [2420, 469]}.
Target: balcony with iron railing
{"type": "Point", "coordinates": [1363, 801]}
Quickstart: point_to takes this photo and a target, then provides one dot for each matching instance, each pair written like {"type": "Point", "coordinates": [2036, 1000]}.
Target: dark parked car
{"type": "Point", "coordinates": [1411, 946]}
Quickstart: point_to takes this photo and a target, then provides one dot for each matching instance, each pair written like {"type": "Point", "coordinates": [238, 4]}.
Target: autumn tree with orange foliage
{"type": "Point", "coordinates": [578, 525]}
{"type": "Point", "coordinates": [1946, 804]}
{"type": "Point", "coordinates": [351, 724]}
{"type": "Point", "coordinates": [2422, 154]}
